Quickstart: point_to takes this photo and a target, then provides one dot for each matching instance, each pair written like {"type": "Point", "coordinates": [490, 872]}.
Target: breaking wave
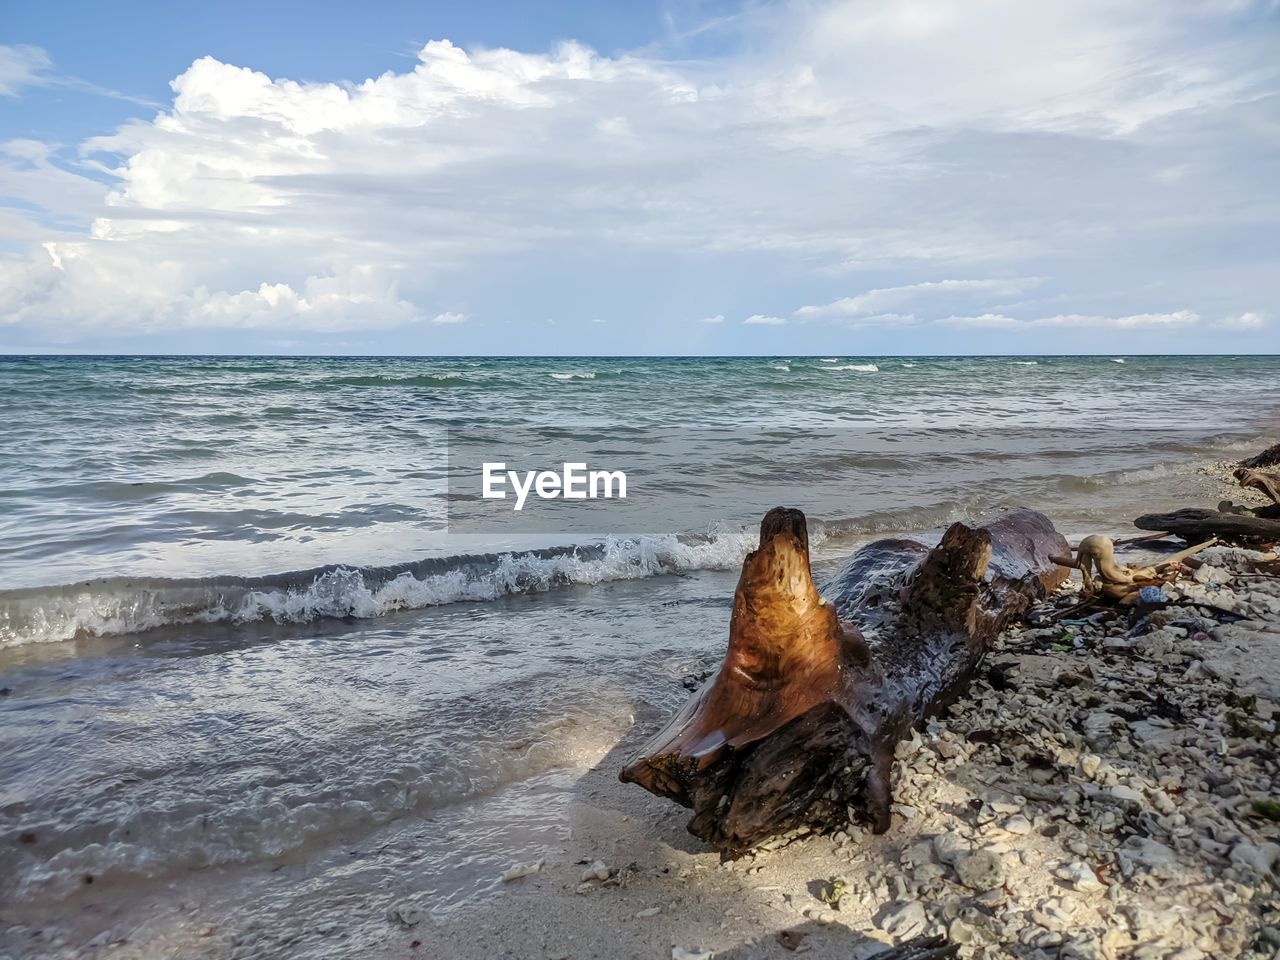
{"type": "Point", "coordinates": [860, 367]}
{"type": "Point", "coordinates": [122, 605]}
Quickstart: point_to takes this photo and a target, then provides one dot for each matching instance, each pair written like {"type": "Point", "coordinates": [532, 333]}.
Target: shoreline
{"type": "Point", "coordinates": [1053, 763]}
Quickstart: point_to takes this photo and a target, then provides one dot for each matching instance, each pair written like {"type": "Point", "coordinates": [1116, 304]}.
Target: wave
{"type": "Point", "coordinates": [908, 364]}
{"type": "Point", "coordinates": [830, 359]}
{"type": "Point", "coordinates": [1025, 363]}
{"type": "Point", "coordinates": [1117, 360]}
{"type": "Point", "coordinates": [785, 368]}
{"type": "Point", "coordinates": [574, 376]}
{"type": "Point", "coordinates": [860, 367]}
{"type": "Point", "coordinates": [115, 606]}
{"type": "Point", "coordinates": [381, 380]}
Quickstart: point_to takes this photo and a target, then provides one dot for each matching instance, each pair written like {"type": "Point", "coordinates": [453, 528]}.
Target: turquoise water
{"type": "Point", "coordinates": [243, 489]}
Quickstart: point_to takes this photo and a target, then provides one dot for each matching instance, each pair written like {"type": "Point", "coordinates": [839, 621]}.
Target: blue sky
{"type": "Point", "coordinates": [846, 177]}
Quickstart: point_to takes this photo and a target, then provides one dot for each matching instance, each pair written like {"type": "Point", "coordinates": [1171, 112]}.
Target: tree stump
{"type": "Point", "coordinates": [798, 727]}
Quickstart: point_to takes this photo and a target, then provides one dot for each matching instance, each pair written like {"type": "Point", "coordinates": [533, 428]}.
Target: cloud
{"type": "Point", "coordinates": [882, 300]}
{"type": "Point", "coordinates": [448, 318]}
{"type": "Point", "coordinates": [1180, 318]}
{"type": "Point", "coordinates": [811, 149]}
{"type": "Point", "coordinates": [22, 66]}
{"type": "Point", "coordinates": [718, 318]}
{"type": "Point", "coordinates": [763, 320]}
{"type": "Point", "coordinates": [1249, 320]}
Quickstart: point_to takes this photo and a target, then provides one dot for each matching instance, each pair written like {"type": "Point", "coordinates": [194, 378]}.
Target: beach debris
{"type": "Point", "coordinates": [833, 891]}
{"type": "Point", "coordinates": [690, 953]}
{"type": "Point", "coordinates": [1267, 483]}
{"type": "Point", "coordinates": [1194, 524]}
{"type": "Point", "coordinates": [799, 670]}
{"type": "Point", "coordinates": [518, 870]}
{"type": "Point", "coordinates": [650, 912]}
{"type": "Point", "coordinates": [1269, 457]}
{"type": "Point", "coordinates": [918, 948]}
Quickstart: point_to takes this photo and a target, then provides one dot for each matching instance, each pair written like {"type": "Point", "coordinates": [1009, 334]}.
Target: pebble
{"type": "Point", "coordinates": [518, 870]}
{"type": "Point", "coordinates": [599, 870]}
{"type": "Point", "coordinates": [902, 921]}
{"type": "Point", "coordinates": [948, 846]}
{"type": "Point", "coordinates": [980, 870]}
{"type": "Point", "coordinates": [690, 953]}
{"type": "Point", "coordinates": [1261, 858]}
{"type": "Point", "coordinates": [1018, 825]}
{"type": "Point", "coordinates": [408, 913]}
{"type": "Point", "coordinates": [1081, 876]}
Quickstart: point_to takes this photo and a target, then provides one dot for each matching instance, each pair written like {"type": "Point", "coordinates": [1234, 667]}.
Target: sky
{"type": "Point", "coordinates": [851, 177]}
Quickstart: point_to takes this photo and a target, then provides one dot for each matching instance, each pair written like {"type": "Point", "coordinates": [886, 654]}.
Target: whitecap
{"type": "Point", "coordinates": [587, 375]}
{"type": "Point", "coordinates": [860, 367]}
{"type": "Point", "coordinates": [122, 607]}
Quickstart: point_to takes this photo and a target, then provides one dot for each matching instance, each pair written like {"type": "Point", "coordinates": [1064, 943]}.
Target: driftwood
{"type": "Point", "coordinates": [1099, 553]}
{"type": "Point", "coordinates": [1269, 457]}
{"type": "Point", "coordinates": [1268, 483]}
{"type": "Point", "coordinates": [1194, 524]}
{"type": "Point", "coordinates": [797, 729]}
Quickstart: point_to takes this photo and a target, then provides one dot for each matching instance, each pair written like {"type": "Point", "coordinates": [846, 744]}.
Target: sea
{"type": "Point", "coordinates": [253, 645]}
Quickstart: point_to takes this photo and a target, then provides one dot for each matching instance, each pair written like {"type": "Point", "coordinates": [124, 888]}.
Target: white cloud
{"type": "Point", "coordinates": [763, 320]}
{"type": "Point", "coordinates": [1249, 320]}
{"type": "Point", "coordinates": [881, 301]}
{"type": "Point", "coordinates": [821, 148]}
{"type": "Point", "coordinates": [718, 318]}
{"type": "Point", "coordinates": [449, 318]}
{"type": "Point", "coordinates": [1180, 318]}
{"type": "Point", "coordinates": [21, 66]}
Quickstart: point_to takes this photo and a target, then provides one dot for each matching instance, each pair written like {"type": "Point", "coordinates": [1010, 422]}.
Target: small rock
{"type": "Point", "coordinates": [980, 870]}
{"type": "Point", "coordinates": [407, 914]}
{"type": "Point", "coordinates": [902, 921]}
{"type": "Point", "coordinates": [1081, 876]}
{"type": "Point", "coordinates": [1126, 794]}
{"type": "Point", "coordinates": [948, 846]}
{"type": "Point", "coordinates": [1019, 825]}
{"type": "Point", "coordinates": [518, 870]}
{"type": "Point", "coordinates": [690, 953]}
{"type": "Point", "coordinates": [646, 914]}
{"type": "Point", "coordinates": [1261, 858]}
{"type": "Point", "coordinates": [597, 871]}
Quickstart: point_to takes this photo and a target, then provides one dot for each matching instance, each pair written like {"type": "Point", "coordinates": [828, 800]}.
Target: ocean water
{"type": "Point", "coordinates": [237, 634]}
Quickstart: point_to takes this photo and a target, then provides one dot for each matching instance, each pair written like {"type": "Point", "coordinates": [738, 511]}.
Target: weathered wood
{"type": "Point", "coordinates": [797, 728]}
{"type": "Point", "coordinates": [1268, 483]}
{"type": "Point", "coordinates": [1194, 524]}
{"type": "Point", "coordinates": [1269, 457]}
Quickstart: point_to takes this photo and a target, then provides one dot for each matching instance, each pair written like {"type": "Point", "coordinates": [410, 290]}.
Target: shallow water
{"type": "Point", "coordinates": [239, 642]}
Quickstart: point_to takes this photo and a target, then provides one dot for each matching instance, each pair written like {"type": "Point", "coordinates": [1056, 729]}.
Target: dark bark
{"type": "Point", "coordinates": [1269, 457]}
{"type": "Point", "coordinates": [921, 948]}
{"type": "Point", "coordinates": [1195, 525]}
{"type": "Point", "coordinates": [798, 727]}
